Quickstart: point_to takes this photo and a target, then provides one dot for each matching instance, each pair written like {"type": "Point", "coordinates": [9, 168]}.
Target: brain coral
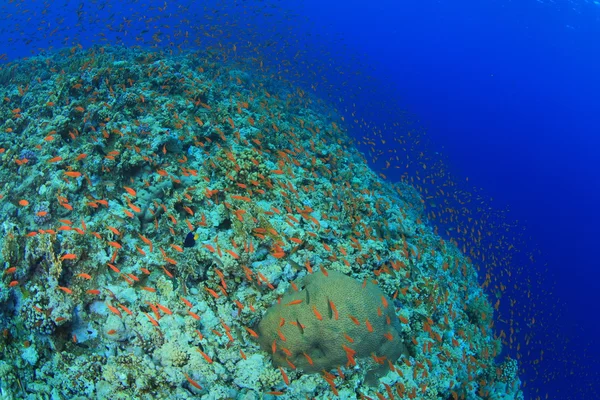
{"type": "Point", "coordinates": [328, 322]}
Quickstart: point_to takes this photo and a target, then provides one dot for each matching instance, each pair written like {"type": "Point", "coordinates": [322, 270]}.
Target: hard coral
{"type": "Point", "coordinates": [330, 320]}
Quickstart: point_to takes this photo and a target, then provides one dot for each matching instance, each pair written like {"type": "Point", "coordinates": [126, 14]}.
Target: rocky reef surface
{"type": "Point", "coordinates": [156, 208]}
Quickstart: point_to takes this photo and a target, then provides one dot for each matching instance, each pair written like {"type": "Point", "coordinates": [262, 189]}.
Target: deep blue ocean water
{"type": "Point", "coordinates": [508, 92]}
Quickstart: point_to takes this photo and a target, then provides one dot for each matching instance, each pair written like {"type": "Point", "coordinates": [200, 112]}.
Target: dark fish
{"type": "Point", "coordinates": [190, 240]}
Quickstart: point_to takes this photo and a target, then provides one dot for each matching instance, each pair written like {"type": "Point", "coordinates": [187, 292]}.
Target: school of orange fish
{"type": "Point", "coordinates": [158, 202]}
{"type": "Point", "coordinates": [165, 148]}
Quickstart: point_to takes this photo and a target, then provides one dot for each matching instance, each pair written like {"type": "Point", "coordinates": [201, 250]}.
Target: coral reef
{"type": "Point", "coordinates": [111, 157]}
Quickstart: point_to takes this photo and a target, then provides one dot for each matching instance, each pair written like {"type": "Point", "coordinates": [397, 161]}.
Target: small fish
{"type": "Point", "coordinates": [177, 248]}
{"type": "Point", "coordinates": [206, 357]}
{"type": "Point", "coordinates": [152, 320]}
{"type": "Point", "coordinates": [384, 302]}
{"type": "Point", "coordinates": [284, 375]}
{"type": "Point", "coordinates": [317, 313]}
{"type": "Point", "coordinates": [212, 292]}
{"type": "Point", "coordinates": [190, 240]}
{"type": "Point", "coordinates": [310, 361]}
{"type": "Point", "coordinates": [10, 270]}
{"type": "Point", "coordinates": [192, 382]}
{"type": "Point", "coordinates": [127, 310]}
{"type": "Point", "coordinates": [130, 191]}
{"type": "Point", "coordinates": [65, 289]}
{"type": "Point", "coordinates": [233, 254]}
{"type": "Point", "coordinates": [333, 310]}
{"type": "Point", "coordinates": [164, 309]}
{"type": "Point", "coordinates": [186, 302]}
{"type": "Point", "coordinates": [114, 230]}
{"type": "Point", "coordinates": [194, 315]}
{"type": "Point", "coordinates": [114, 310]}
{"type": "Point", "coordinates": [54, 159]}
{"type": "Point", "coordinates": [251, 332]}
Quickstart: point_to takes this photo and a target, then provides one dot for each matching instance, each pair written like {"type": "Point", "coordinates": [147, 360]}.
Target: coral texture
{"type": "Point", "coordinates": [330, 320]}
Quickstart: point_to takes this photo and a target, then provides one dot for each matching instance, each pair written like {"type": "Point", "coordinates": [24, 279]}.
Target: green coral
{"type": "Point", "coordinates": [305, 324]}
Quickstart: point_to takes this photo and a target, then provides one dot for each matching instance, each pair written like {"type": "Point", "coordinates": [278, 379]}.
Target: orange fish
{"type": "Point", "coordinates": [186, 302]}
{"type": "Point", "coordinates": [152, 320]}
{"type": "Point", "coordinates": [192, 382]}
{"type": "Point", "coordinates": [127, 310]}
{"type": "Point", "coordinates": [10, 270]}
{"type": "Point", "coordinates": [317, 313]}
{"type": "Point", "coordinates": [206, 357]}
{"type": "Point", "coordinates": [114, 310]}
{"type": "Point", "coordinates": [212, 292]}
{"type": "Point", "coordinates": [164, 309]}
{"type": "Point", "coordinates": [146, 240]}
{"type": "Point", "coordinates": [114, 230]}
{"type": "Point", "coordinates": [233, 254]}
{"type": "Point", "coordinates": [333, 310]}
{"type": "Point", "coordinates": [284, 375]}
{"type": "Point", "coordinates": [130, 191]}
{"type": "Point", "coordinates": [176, 247]}
{"type": "Point", "coordinates": [251, 332]}
{"type": "Point", "coordinates": [135, 208]}
{"type": "Point", "coordinates": [194, 315]}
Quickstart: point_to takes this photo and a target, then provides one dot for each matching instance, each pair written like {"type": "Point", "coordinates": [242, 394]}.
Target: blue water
{"type": "Point", "coordinates": [508, 93]}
